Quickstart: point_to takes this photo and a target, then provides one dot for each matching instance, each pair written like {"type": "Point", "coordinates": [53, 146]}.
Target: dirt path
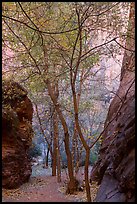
{"type": "Point", "coordinates": [43, 188]}
{"type": "Point", "coordinates": [40, 189]}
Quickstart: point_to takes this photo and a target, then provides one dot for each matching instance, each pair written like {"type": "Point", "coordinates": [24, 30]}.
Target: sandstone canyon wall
{"type": "Point", "coordinates": [17, 134]}
{"type": "Point", "coordinates": [115, 168]}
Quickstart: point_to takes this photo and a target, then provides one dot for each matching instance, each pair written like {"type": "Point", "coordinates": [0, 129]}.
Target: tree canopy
{"type": "Point", "coordinates": [53, 50]}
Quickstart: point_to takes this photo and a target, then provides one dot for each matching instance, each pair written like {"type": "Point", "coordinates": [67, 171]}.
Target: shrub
{"type": "Point", "coordinates": [93, 157]}
{"type": "Point", "coordinates": [34, 151]}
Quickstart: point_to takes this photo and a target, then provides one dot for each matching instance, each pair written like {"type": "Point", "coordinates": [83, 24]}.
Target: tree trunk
{"type": "Point", "coordinates": [72, 183]}
{"type": "Point", "coordinates": [75, 102]}
{"type": "Point", "coordinates": [87, 175]}
{"type": "Point", "coordinates": [47, 159]}
{"type": "Point", "coordinates": [55, 144]}
{"type": "Point", "coordinates": [42, 130]}
{"type": "Point", "coordinates": [74, 147]}
{"type": "Point", "coordinates": [58, 165]}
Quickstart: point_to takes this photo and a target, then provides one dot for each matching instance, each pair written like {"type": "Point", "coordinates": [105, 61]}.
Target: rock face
{"type": "Point", "coordinates": [115, 168]}
{"type": "Point", "coordinates": [17, 133]}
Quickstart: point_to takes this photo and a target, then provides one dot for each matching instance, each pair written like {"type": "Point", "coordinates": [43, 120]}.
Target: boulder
{"type": "Point", "coordinates": [17, 134]}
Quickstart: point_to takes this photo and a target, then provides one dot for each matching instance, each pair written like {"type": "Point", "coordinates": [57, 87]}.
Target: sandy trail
{"type": "Point", "coordinates": [42, 187]}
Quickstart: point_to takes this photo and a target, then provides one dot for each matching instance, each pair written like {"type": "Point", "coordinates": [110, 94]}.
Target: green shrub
{"type": "Point", "coordinates": [34, 151]}
{"type": "Point", "coordinates": [93, 158]}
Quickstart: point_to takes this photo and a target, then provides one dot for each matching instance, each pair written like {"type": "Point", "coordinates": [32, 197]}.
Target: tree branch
{"type": "Point", "coordinates": [44, 32]}
{"type": "Point", "coordinates": [123, 46]}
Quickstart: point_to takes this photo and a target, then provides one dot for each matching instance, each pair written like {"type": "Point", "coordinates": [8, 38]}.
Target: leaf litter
{"type": "Point", "coordinates": [35, 183]}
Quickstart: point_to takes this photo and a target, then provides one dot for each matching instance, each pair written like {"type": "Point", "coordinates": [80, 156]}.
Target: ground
{"type": "Point", "coordinates": [42, 187]}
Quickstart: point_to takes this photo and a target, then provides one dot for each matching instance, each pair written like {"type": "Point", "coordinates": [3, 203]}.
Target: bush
{"type": "Point", "coordinates": [34, 151]}
{"type": "Point", "coordinates": [93, 158]}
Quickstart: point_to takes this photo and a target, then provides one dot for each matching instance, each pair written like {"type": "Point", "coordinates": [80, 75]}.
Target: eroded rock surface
{"type": "Point", "coordinates": [115, 169]}
{"type": "Point", "coordinates": [17, 134]}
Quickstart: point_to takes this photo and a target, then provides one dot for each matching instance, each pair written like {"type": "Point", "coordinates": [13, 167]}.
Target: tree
{"type": "Point", "coordinates": [53, 41]}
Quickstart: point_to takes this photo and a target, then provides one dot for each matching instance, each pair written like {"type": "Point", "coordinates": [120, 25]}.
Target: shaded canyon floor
{"type": "Point", "coordinates": [42, 187]}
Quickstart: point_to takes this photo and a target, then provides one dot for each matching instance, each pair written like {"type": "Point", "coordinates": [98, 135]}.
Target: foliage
{"type": "Point", "coordinates": [93, 157]}
{"type": "Point", "coordinates": [12, 91]}
{"type": "Point", "coordinates": [34, 151]}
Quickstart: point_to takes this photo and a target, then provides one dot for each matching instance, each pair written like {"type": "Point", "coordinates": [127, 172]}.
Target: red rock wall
{"type": "Point", "coordinates": [115, 169]}
{"type": "Point", "coordinates": [17, 133]}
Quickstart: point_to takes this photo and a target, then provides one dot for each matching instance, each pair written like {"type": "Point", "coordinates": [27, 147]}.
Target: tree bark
{"type": "Point", "coordinates": [47, 159]}
{"type": "Point", "coordinates": [87, 148]}
{"type": "Point", "coordinates": [87, 175]}
{"type": "Point", "coordinates": [55, 144]}
{"type": "Point", "coordinates": [58, 164]}
{"type": "Point", "coordinates": [72, 183]}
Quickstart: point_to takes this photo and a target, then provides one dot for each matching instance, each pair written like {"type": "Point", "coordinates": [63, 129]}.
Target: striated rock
{"type": "Point", "coordinates": [115, 168]}
{"type": "Point", "coordinates": [17, 134]}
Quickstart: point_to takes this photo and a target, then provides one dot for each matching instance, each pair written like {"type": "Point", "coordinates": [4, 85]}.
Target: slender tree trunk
{"type": "Point", "coordinates": [77, 157]}
{"type": "Point", "coordinates": [74, 147]}
{"type": "Point", "coordinates": [42, 130]}
{"type": "Point", "coordinates": [55, 130]}
{"type": "Point", "coordinates": [72, 185]}
{"type": "Point", "coordinates": [47, 159]}
{"type": "Point", "coordinates": [87, 175]}
{"type": "Point", "coordinates": [70, 164]}
{"type": "Point", "coordinates": [58, 164]}
{"type": "Point", "coordinates": [87, 148]}
{"type": "Point", "coordinates": [55, 145]}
